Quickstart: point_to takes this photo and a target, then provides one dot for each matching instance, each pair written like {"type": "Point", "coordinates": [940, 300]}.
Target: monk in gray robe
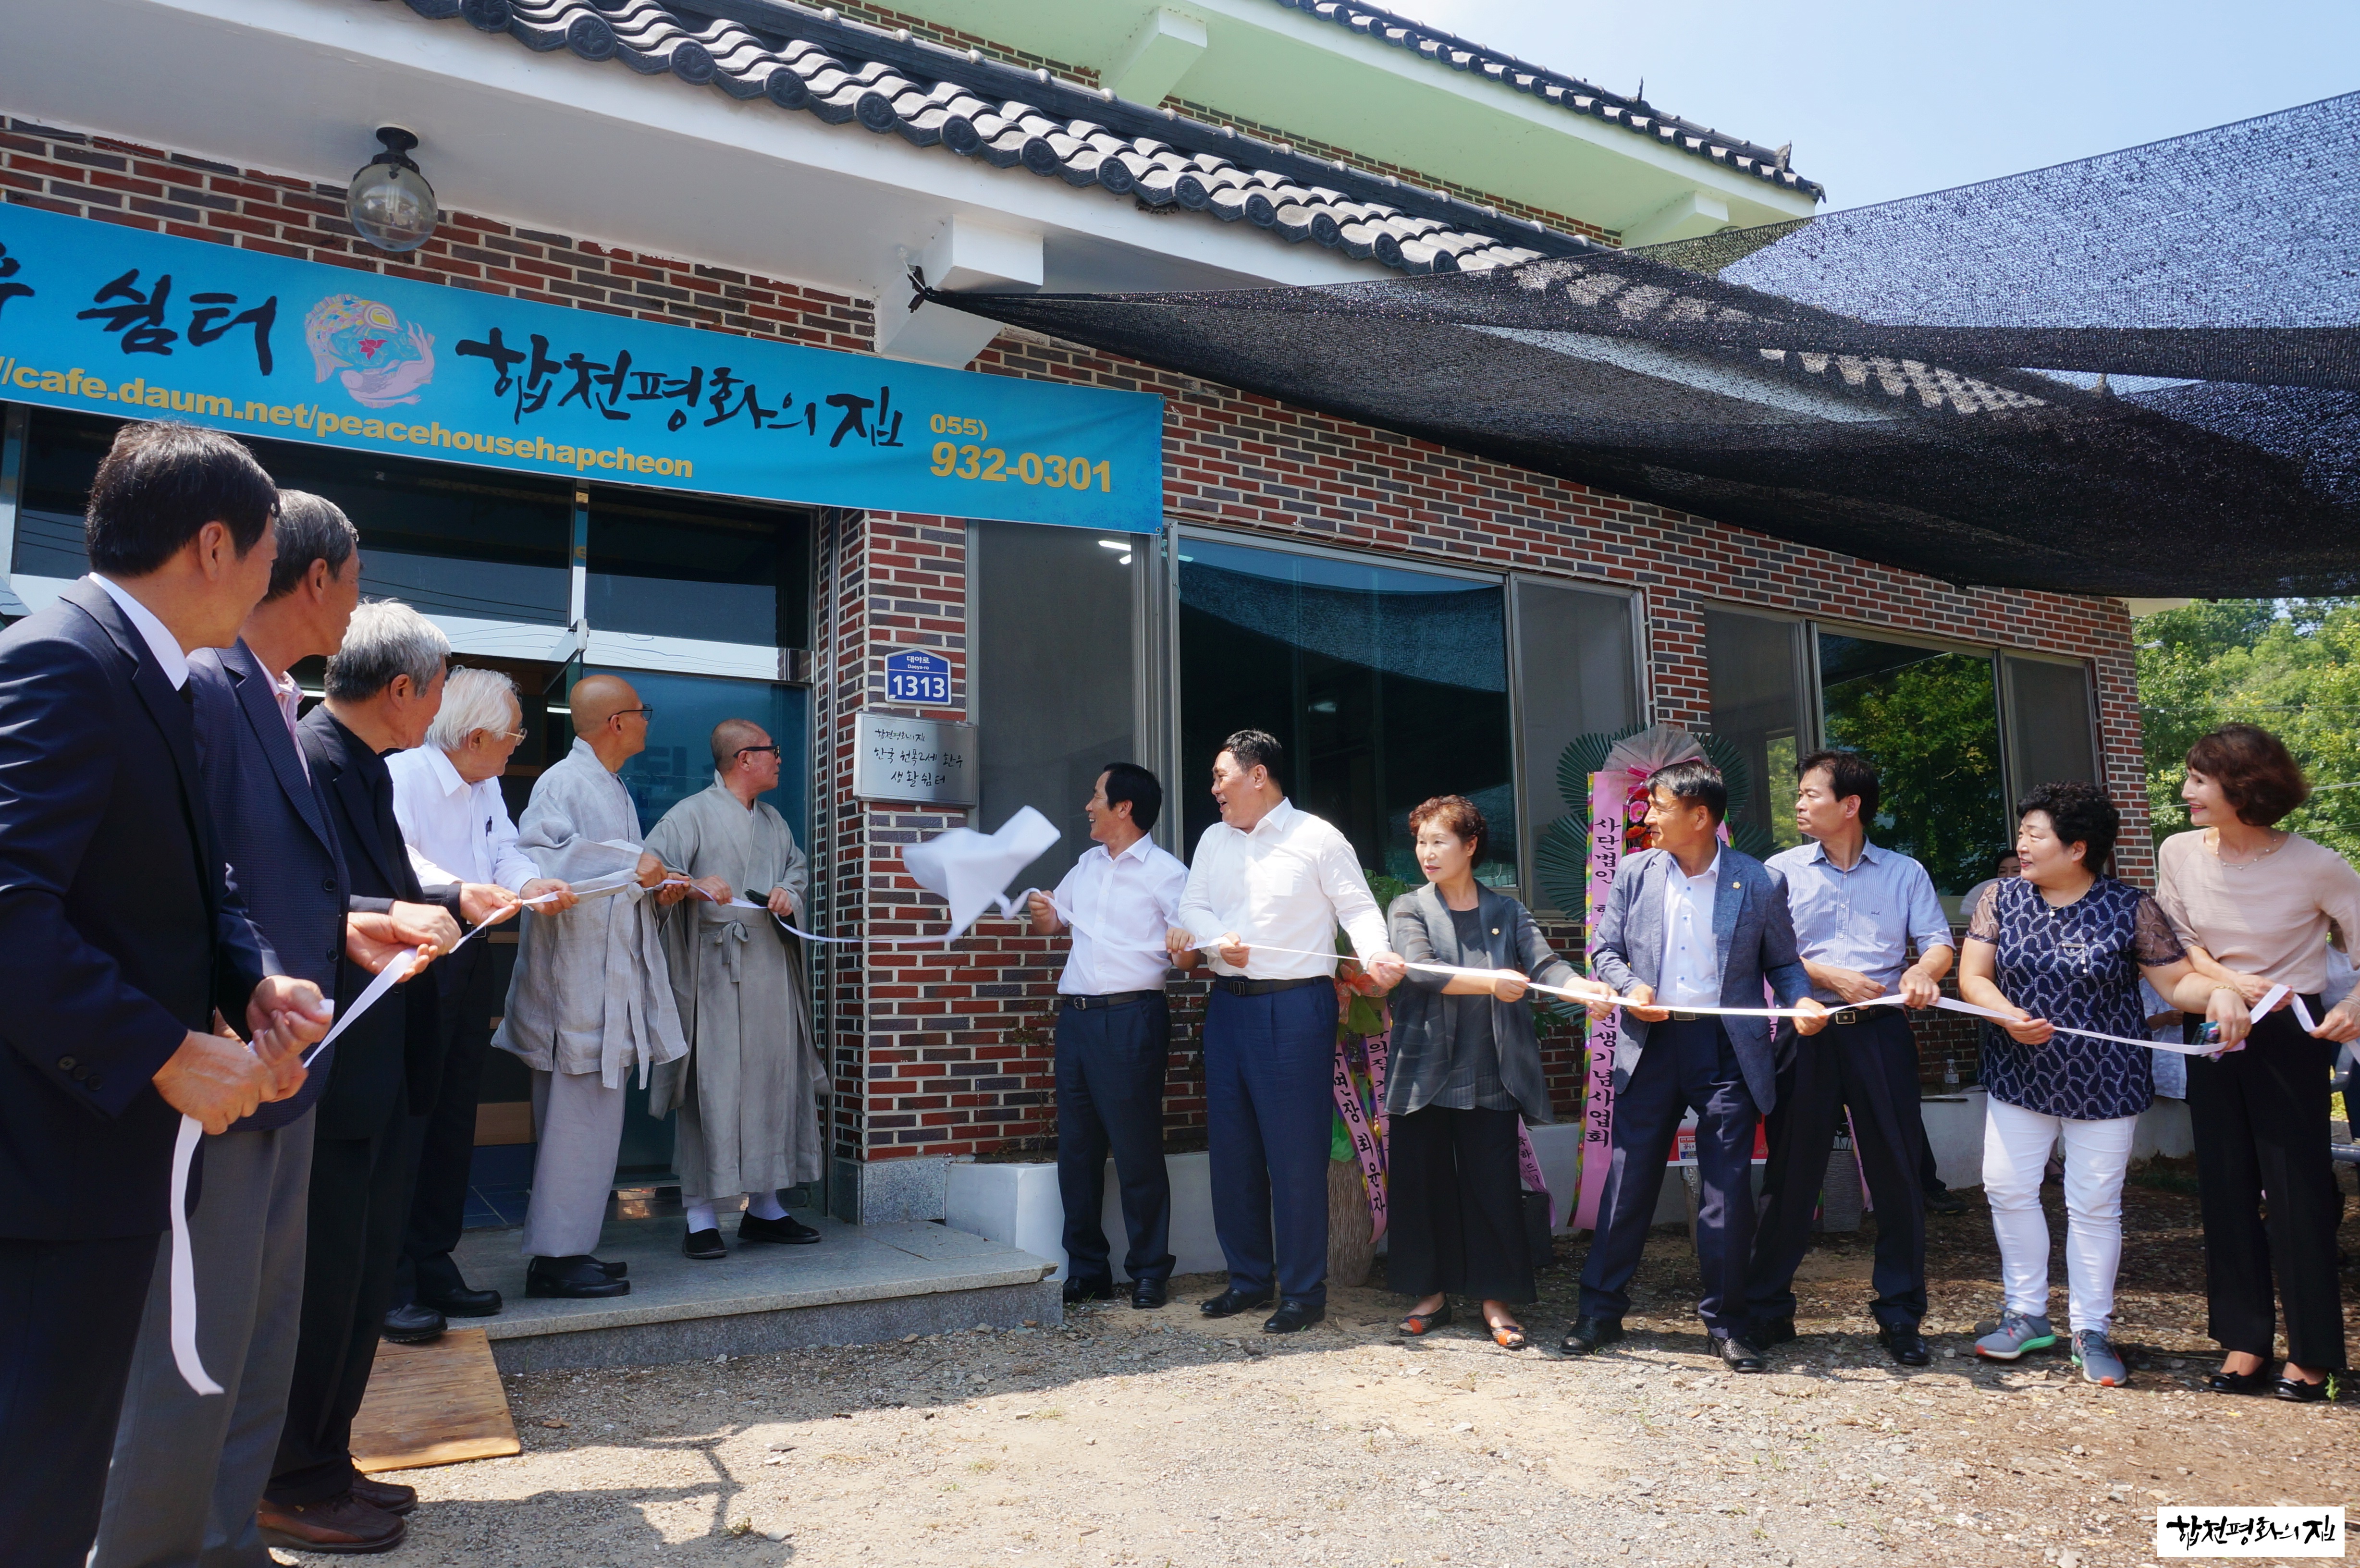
{"type": "Point", "coordinates": [747, 1091]}
{"type": "Point", "coordinates": [590, 1004]}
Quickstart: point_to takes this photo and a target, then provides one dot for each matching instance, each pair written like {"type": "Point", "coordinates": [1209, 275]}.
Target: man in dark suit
{"type": "Point", "coordinates": [1692, 924]}
{"type": "Point", "coordinates": [189, 1469]}
{"type": "Point", "coordinates": [384, 685]}
{"type": "Point", "coordinates": [122, 945]}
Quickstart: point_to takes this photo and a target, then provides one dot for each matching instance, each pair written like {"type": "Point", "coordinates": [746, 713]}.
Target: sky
{"type": "Point", "coordinates": [1891, 98]}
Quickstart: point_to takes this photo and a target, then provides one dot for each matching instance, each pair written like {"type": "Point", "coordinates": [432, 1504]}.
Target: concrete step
{"type": "Point", "coordinates": [856, 1285]}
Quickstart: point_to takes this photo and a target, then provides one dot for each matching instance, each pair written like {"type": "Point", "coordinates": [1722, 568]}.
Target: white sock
{"type": "Point", "coordinates": [700, 1217]}
{"type": "Point", "coordinates": [764, 1206]}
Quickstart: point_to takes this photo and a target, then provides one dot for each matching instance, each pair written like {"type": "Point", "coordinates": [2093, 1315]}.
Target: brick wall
{"type": "Point", "coordinates": [949, 1055]}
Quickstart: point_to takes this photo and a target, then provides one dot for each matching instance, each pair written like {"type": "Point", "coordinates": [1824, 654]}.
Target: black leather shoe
{"type": "Point", "coordinates": [413, 1323]}
{"type": "Point", "coordinates": [463, 1303]}
{"type": "Point", "coordinates": [786, 1230]}
{"type": "Point", "coordinates": [612, 1270]}
{"type": "Point", "coordinates": [1588, 1335]}
{"type": "Point", "coordinates": [1905, 1345]}
{"type": "Point", "coordinates": [1079, 1290]}
{"type": "Point", "coordinates": [1945, 1202]}
{"type": "Point", "coordinates": [580, 1278]}
{"type": "Point", "coordinates": [386, 1497]}
{"type": "Point", "coordinates": [1233, 1302]}
{"type": "Point", "coordinates": [704, 1246]}
{"type": "Point", "coordinates": [1294, 1317]}
{"type": "Point", "coordinates": [2296, 1391]}
{"type": "Point", "coordinates": [1770, 1333]}
{"type": "Point", "coordinates": [2255, 1382]}
{"type": "Point", "coordinates": [1146, 1295]}
{"type": "Point", "coordinates": [1739, 1356]}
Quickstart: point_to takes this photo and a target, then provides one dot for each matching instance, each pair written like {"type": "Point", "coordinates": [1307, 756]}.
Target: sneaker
{"type": "Point", "coordinates": [2015, 1335]}
{"type": "Point", "coordinates": [2100, 1363]}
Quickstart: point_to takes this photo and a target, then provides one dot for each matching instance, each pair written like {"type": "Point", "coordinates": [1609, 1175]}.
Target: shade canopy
{"type": "Point", "coordinates": [2137, 375]}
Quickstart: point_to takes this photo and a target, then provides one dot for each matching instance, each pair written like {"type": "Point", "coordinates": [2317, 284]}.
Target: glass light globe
{"type": "Point", "coordinates": [390, 203]}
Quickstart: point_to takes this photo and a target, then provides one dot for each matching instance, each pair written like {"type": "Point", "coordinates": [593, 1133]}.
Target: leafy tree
{"type": "Point", "coordinates": [2292, 665]}
{"type": "Point", "coordinates": [1932, 731]}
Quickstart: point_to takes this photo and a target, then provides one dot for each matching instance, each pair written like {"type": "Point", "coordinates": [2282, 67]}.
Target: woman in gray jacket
{"type": "Point", "coordinates": [1466, 1063]}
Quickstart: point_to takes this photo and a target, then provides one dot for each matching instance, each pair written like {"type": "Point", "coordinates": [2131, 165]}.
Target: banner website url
{"type": "Point", "coordinates": [322, 424]}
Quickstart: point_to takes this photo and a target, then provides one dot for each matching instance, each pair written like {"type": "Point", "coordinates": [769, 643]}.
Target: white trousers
{"type": "Point", "coordinates": [2097, 1154]}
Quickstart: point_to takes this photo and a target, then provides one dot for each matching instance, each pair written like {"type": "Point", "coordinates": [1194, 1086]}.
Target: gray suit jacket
{"type": "Point", "coordinates": [1756, 935]}
{"type": "Point", "coordinates": [1424, 933]}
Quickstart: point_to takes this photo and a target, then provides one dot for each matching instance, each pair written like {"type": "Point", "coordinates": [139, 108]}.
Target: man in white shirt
{"type": "Point", "coordinates": [1270, 874]}
{"type": "Point", "coordinates": [446, 796]}
{"type": "Point", "coordinates": [1114, 1036]}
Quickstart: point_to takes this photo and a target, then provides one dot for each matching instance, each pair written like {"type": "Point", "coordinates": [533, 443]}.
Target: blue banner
{"type": "Point", "coordinates": [116, 320]}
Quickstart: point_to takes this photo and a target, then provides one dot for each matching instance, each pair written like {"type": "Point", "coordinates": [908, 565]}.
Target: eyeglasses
{"type": "Point", "coordinates": [627, 712]}
{"type": "Point", "coordinates": [513, 738]}
{"type": "Point", "coordinates": [749, 750]}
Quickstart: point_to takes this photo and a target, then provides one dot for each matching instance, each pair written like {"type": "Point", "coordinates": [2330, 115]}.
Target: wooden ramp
{"type": "Point", "coordinates": [434, 1404]}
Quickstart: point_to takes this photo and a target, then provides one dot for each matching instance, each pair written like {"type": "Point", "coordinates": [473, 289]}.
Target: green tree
{"type": "Point", "coordinates": [1933, 732]}
{"type": "Point", "coordinates": [2292, 665]}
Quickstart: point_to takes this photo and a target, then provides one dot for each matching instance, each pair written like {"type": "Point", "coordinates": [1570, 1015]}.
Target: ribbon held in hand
{"type": "Point", "coordinates": [967, 870]}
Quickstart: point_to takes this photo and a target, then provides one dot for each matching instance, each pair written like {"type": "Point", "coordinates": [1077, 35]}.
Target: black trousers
{"type": "Point", "coordinates": [2260, 1116]}
{"type": "Point", "coordinates": [442, 1140]}
{"type": "Point", "coordinates": [360, 1202]}
{"type": "Point", "coordinates": [1455, 1205]}
{"type": "Point", "coordinates": [1111, 1066]}
{"type": "Point", "coordinates": [1872, 1068]}
{"type": "Point", "coordinates": [69, 1316]}
{"type": "Point", "coordinates": [1685, 1066]}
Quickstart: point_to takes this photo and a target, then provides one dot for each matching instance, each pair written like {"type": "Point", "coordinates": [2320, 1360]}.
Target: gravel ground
{"type": "Point", "coordinates": [1159, 1439]}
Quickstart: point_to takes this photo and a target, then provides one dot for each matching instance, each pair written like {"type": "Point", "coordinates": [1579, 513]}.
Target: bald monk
{"type": "Point", "coordinates": [590, 1004]}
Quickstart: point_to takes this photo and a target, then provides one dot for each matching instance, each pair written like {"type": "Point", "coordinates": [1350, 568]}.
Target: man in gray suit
{"type": "Point", "coordinates": [1692, 924]}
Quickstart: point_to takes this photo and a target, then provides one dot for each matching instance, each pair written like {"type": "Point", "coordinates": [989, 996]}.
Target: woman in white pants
{"type": "Point", "coordinates": [2065, 944]}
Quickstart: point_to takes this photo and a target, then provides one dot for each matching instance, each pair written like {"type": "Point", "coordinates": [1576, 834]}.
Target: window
{"type": "Point", "coordinates": [1386, 686]}
{"type": "Point", "coordinates": [710, 573]}
{"type": "Point", "coordinates": [1760, 671]}
{"type": "Point", "coordinates": [2051, 733]}
{"type": "Point", "coordinates": [1575, 661]}
{"type": "Point", "coordinates": [1928, 718]}
{"type": "Point", "coordinates": [1055, 681]}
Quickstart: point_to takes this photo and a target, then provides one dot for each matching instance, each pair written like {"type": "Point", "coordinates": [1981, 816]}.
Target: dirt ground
{"type": "Point", "coordinates": [1163, 1439]}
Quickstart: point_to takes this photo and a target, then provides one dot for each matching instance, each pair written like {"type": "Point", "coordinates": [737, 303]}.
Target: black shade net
{"type": "Point", "coordinates": [2137, 375]}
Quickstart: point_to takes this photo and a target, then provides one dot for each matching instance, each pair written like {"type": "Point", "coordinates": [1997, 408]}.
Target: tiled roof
{"type": "Point", "coordinates": [1635, 114]}
{"type": "Point", "coordinates": [891, 83]}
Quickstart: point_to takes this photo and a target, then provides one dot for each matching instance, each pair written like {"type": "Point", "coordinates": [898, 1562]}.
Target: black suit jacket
{"type": "Point", "coordinates": [395, 1048]}
{"type": "Point", "coordinates": [119, 928]}
{"type": "Point", "coordinates": [273, 826]}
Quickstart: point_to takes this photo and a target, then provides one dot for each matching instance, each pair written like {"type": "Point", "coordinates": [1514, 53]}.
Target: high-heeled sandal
{"type": "Point", "coordinates": [1425, 1323]}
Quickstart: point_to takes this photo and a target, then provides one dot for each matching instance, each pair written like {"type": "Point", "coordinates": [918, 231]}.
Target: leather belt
{"type": "Point", "coordinates": [1680, 1017]}
{"type": "Point", "coordinates": [1111, 1000]}
{"type": "Point", "coordinates": [1847, 1016]}
{"type": "Point", "coordinates": [1237, 987]}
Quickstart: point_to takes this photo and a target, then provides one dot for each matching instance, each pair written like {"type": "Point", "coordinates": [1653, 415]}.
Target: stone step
{"type": "Point", "coordinates": [856, 1285]}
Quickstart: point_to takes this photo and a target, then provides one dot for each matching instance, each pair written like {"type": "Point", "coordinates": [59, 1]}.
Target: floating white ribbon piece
{"type": "Point", "coordinates": [967, 869]}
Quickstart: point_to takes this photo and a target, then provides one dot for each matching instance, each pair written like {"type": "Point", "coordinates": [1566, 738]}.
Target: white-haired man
{"type": "Point", "coordinates": [446, 797]}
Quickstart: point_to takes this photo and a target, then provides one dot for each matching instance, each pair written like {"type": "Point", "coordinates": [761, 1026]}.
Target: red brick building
{"type": "Point", "coordinates": [1411, 619]}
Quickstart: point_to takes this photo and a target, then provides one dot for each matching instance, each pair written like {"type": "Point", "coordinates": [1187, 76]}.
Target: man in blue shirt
{"type": "Point", "coordinates": [1857, 908]}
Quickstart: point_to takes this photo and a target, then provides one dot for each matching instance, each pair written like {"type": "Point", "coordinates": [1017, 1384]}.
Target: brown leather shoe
{"type": "Point", "coordinates": [385, 1497]}
{"type": "Point", "coordinates": [341, 1525]}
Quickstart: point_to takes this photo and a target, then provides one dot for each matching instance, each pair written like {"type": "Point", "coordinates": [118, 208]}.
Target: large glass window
{"type": "Point", "coordinates": [1574, 666]}
{"type": "Point", "coordinates": [710, 573]}
{"type": "Point", "coordinates": [1055, 681]}
{"type": "Point", "coordinates": [1385, 686]}
{"type": "Point", "coordinates": [1760, 674]}
{"type": "Point", "coordinates": [2050, 735]}
{"type": "Point", "coordinates": [1928, 719]}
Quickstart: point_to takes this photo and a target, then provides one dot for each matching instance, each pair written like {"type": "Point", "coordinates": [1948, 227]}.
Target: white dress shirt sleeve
{"type": "Point", "coordinates": [511, 867]}
{"type": "Point", "coordinates": [1348, 891]}
{"type": "Point", "coordinates": [1195, 914]}
{"type": "Point", "coordinates": [1068, 887]}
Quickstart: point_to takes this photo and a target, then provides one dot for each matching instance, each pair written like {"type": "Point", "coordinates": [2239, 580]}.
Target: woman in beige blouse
{"type": "Point", "coordinates": [2253, 904]}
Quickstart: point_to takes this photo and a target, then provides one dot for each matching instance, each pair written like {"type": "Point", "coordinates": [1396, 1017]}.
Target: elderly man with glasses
{"type": "Point", "coordinates": [446, 797]}
{"type": "Point", "coordinates": [747, 1091]}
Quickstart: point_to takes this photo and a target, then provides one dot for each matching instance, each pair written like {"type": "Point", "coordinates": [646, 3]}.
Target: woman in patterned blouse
{"type": "Point", "coordinates": [2064, 944]}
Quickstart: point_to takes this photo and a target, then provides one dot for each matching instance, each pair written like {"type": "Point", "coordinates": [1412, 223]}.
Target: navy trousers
{"type": "Point", "coordinates": [1685, 1066]}
{"type": "Point", "coordinates": [1872, 1068]}
{"type": "Point", "coordinates": [1270, 1072]}
{"type": "Point", "coordinates": [69, 1316]}
{"type": "Point", "coordinates": [1111, 1065]}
